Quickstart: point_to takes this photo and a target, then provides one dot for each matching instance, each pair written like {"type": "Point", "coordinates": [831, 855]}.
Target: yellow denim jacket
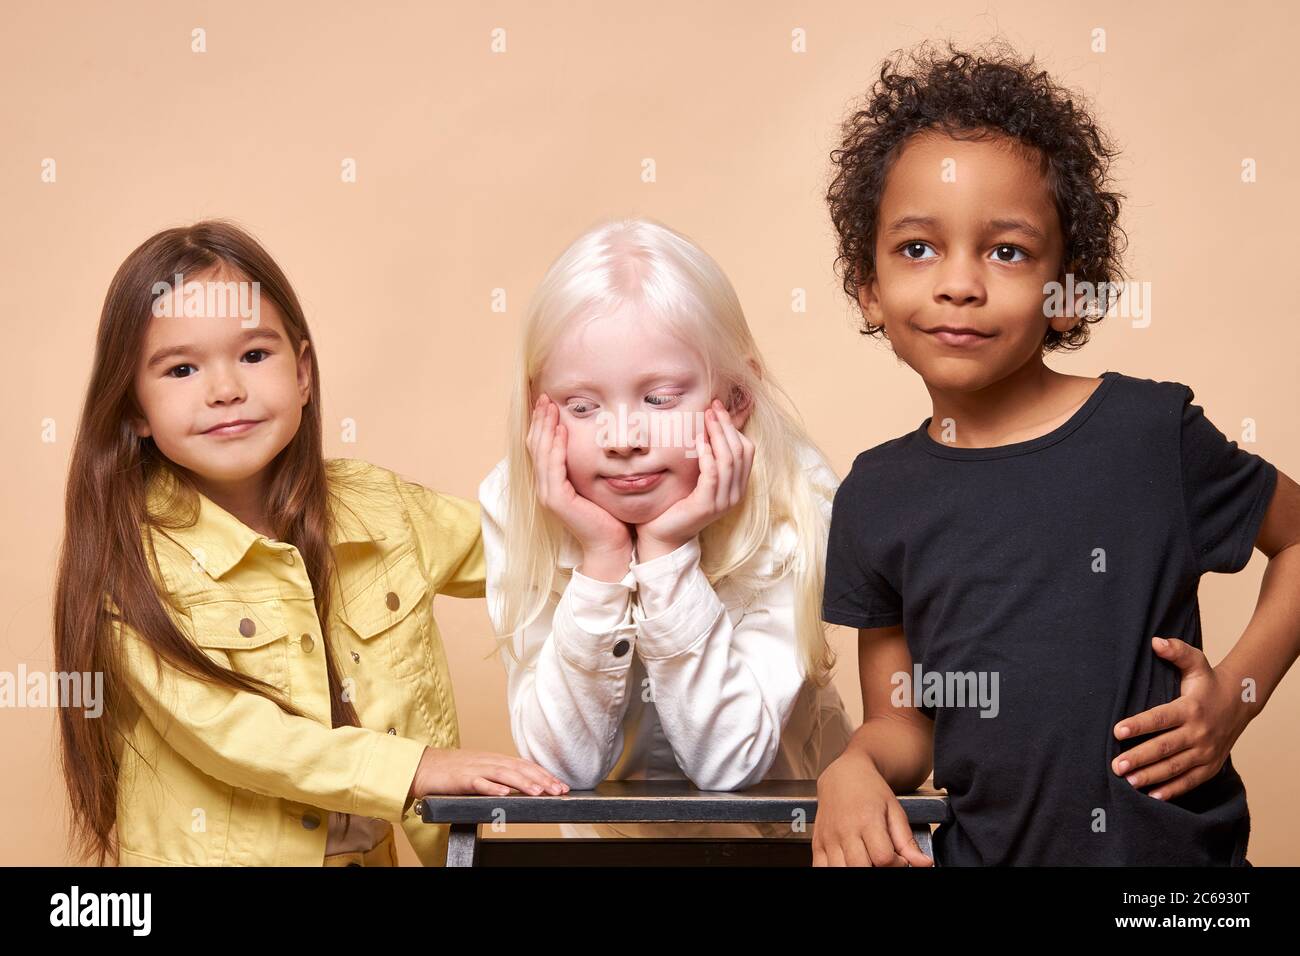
{"type": "Point", "coordinates": [213, 776]}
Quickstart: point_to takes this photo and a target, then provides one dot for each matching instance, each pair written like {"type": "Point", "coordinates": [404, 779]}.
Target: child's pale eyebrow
{"type": "Point", "coordinates": [668, 373]}
{"type": "Point", "coordinates": [1024, 226]}
{"type": "Point", "coordinates": [684, 374]}
{"type": "Point", "coordinates": [250, 335]}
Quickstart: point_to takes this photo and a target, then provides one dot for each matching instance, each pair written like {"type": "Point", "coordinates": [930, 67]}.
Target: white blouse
{"type": "Point", "coordinates": [660, 677]}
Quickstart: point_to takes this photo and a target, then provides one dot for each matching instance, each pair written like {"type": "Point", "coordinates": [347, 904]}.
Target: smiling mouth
{"type": "Point", "coordinates": [233, 428]}
{"type": "Point", "coordinates": [638, 482]}
{"type": "Point", "coordinates": [958, 336]}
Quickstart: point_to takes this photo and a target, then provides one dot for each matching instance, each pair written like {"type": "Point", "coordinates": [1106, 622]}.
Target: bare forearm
{"type": "Point", "coordinates": [606, 565]}
{"type": "Point", "coordinates": [1271, 642]}
{"type": "Point", "coordinates": [648, 548]}
{"type": "Point", "coordinates": [902, 751]}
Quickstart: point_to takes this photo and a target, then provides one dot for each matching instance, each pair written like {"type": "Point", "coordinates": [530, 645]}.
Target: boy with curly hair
{"type": "Point", "coordinates": [1023, 567]}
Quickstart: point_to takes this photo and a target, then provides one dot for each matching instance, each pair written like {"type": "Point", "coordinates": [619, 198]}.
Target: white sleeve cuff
{"type": "Point", "coordinates": [598, 606]}
{"type": "Point", "coordinates": [676, 604]}
{"type": "Point", "coordinates": [593, 627]}
{"type": "Point", "coordinates": [662, 581]}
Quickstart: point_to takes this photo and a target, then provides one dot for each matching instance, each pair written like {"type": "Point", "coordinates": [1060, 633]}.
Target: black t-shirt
{"type": "Point", "coordinates": [1044, 568]}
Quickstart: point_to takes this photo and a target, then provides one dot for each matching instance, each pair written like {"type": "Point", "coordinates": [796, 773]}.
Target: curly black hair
{"type": "Point", "coordinates": [990, 92]}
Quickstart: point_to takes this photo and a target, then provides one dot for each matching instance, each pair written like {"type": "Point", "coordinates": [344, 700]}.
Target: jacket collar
{"type": "Point", "coordinates": [218, 540]}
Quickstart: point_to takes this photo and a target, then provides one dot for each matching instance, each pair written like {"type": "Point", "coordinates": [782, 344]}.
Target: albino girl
{"type": "Point", "coordinates": [655, 537]}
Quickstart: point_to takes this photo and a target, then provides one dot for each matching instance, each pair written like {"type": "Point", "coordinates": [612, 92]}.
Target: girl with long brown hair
{"type": "Point", "coordinates": [275, 685]}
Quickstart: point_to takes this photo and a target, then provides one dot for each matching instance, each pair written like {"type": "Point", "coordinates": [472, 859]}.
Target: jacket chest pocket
{"type": "Point", "coordinates": [252, 637]}
{"type": "Point", "coordinates": [381, 613]}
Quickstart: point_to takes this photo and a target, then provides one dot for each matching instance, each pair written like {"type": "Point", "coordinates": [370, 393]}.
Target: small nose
{"type": "Point", "coordinates": [224, 386]}
{"type": "Point", "coordinates": [625, 445]}
{"type": "Point", "coordinates": [625, 434]}
{"type": "Point", "coordinates": [959, 281]}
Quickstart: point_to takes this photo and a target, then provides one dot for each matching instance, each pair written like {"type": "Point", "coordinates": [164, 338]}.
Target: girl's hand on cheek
{"type": "Point", "coordinates": [597, 531]}
{"type": "Point", "coordinates": [726, 457]}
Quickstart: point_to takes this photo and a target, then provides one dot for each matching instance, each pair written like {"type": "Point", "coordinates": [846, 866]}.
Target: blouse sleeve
{"type": "Point", "coordinates": [723, 693]}
{"type": "Point", "coordinates": [567, 671]}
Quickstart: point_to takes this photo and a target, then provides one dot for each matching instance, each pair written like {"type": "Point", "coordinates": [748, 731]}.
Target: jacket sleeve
{"type": "Point", "coordinates": [428, 840]}
{"type": "Point", "coordinates": [448, 530]}
{"type": "Point", "coordinates": [247, 741]}
{"type": "Point", "coordinates": [567, 686]}
{"type": "Point", "coordinates": [723, 693]}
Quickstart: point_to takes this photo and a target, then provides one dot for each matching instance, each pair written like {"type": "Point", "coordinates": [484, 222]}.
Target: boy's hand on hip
{"type": "Point", "coordinates": [1199, 727]}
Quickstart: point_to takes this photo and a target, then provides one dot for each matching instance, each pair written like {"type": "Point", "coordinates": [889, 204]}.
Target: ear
{"type": "Point", "coordinates": [1074, 308]}
{"type": "Point", "coordinates": [740, 402]}
{"type": "Point", "coordinates": [869, 301]}
{"type": "Point", "coordinates": [304, 372]}
{"type": "Point", "coordinates": [1070, 316]}
{"type": "Point", "coordinates": [1063, 323]}
{"type": "Point", "coordinates": [140, 426]}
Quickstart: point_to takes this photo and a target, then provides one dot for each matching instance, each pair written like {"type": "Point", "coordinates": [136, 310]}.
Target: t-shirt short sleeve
{"type": "Point", "coordinates": [855, 594]}
{"type": "Point", "coordinates": [1226, 492]}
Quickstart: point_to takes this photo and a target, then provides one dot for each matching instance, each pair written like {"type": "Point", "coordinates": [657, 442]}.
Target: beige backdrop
{"type": "Point", "coordinates": [475, 168]}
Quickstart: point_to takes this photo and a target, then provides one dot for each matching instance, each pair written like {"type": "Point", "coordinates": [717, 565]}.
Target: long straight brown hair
{"type": "Point", "coordinates": [103, 553]}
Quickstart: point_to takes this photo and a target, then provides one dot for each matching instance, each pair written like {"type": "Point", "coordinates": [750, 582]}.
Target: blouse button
{"type": "Point", "coordinates": [247, 627]}
{"type": "Point", "coordinates": [310, 821]}
{"type": "Point", "coordinates": [356, 658]}
{"type": "Point", "coordinates": [621, 648]}
{"type": "Point", "coordinates": [288, 557]}
{"type": "Point", "coordinates": [392, 601]}
{"type": "Point", "coordinates": [307, 643]}
{"type": "Point", "coordinates": [393, 731]}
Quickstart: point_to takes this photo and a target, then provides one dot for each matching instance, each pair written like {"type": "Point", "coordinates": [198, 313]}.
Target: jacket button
{"type": "Point", "coordinates": [307, 643]}
{"type": "Point", "coordinates": [356, 658]}
{"type": "Point", "coordinates": [247, 627]}
{"type": "Point", "coordinates": [393, 731]}
{"type": "Point", "coordinates": [621, 648]}
{"type": "Point", "coordinates": [310, 821]}
{"type": "Point", "coordinates": [392, 601]}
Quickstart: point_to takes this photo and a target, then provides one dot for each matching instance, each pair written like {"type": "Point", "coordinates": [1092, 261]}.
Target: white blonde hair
{"type": "Point", "coordinates": [670, 279]}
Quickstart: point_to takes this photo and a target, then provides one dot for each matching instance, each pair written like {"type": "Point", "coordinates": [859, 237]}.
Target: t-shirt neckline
{"type": "Point", "coordinates": [1081, 415]}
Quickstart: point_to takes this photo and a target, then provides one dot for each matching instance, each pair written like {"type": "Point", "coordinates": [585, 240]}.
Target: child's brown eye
{"type": "Point", "coordinates": [261, 352]}
{"type": "Point", "coordinates": [915, 246]}
{"type": "Point", "coordinates": [1011, 249]}
{"type": "Point", "coordinates": [171, 372]}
